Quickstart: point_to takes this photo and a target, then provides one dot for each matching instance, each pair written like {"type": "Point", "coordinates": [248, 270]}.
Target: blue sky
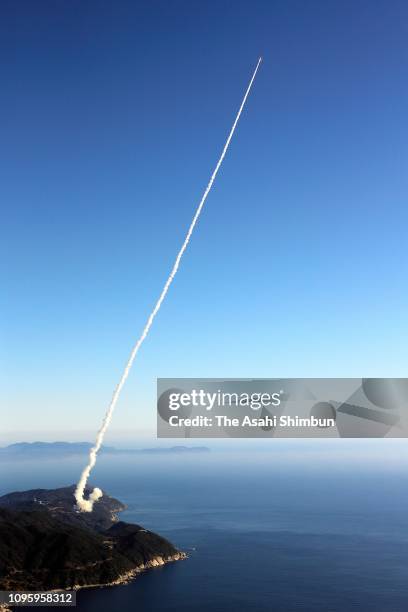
{"type": "Point", "coordinates": [113, 115]}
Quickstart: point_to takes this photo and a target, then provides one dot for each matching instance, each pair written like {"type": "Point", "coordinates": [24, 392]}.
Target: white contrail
{"type": "Point", "coordinates": [86, 505]}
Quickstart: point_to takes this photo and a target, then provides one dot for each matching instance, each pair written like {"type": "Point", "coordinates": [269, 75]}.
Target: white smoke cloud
{"type": "Point", "coordinates": [86, 505]}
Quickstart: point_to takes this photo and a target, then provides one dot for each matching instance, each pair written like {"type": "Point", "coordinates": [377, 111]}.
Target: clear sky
{"type": "Point", "coordinates": [113, 115]}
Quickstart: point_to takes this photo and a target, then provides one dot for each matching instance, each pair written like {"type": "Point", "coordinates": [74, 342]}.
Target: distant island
{"type": "Point", "coordinates": [46, 543]}
{"type": "Point", "coordinates": [63, 449]}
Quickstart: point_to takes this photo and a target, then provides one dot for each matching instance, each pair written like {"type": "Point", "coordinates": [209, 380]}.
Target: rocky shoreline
{"type": "Point", "coordinates": [131, 574]}
{"type": "Point", "coordinates": [123, 579]}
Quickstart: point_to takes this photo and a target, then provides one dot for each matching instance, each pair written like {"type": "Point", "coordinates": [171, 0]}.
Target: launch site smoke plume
{"type": "Point", "coordinates": [86, 505]}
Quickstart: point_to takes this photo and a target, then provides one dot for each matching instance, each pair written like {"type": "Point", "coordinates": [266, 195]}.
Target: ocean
{"type": "Point", "coordinates": [261, 534]}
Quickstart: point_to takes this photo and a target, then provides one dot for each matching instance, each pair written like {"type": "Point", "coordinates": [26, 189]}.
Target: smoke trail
{"type": "Point", "coordinates": [86, 505]}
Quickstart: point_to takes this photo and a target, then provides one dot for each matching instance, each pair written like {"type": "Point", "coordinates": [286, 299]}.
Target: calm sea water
{"type": "Point", "coordinates": [260, 536]}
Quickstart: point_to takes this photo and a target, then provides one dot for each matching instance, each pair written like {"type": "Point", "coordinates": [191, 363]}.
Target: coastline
{"type": "Point", "coordinates": [131, 574]}
{"type": "Point", "coordinates": [122, 579]}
